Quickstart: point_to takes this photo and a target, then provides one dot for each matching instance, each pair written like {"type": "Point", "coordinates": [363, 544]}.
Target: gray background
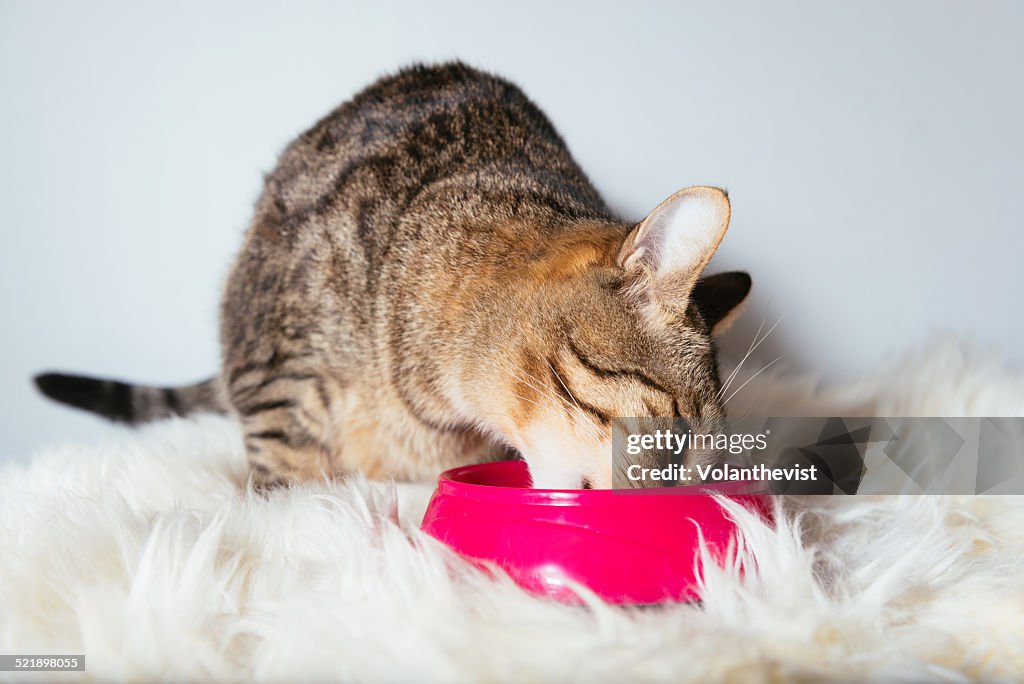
{"type": "Point", "coordinates": [872, 151]}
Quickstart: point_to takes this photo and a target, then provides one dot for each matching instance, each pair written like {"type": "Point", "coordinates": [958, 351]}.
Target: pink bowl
{"type": "Point", "coordinates": [628, 547]}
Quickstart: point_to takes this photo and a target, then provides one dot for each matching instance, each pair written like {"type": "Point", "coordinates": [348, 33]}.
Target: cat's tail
{"type": "Point", "coordinates": [133, 404]}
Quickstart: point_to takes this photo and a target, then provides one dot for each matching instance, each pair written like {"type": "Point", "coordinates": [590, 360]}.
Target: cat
{"type": "Point", "coordinates": [430, 280]}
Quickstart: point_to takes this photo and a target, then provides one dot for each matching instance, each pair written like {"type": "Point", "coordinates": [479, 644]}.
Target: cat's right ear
{"type": "Point", "coordinates": [664, 255]}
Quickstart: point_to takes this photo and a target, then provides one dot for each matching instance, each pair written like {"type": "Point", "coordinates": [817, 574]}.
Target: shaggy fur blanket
{"type": "Point", "coordinates": [146, 555]}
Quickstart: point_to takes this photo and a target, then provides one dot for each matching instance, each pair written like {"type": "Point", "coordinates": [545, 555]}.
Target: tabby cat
{"type": "Point", "coordinates": [430, 279]}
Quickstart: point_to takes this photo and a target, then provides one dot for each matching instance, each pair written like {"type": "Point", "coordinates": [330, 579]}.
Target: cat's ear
{"type": "Point", "coordinates": [665, 254]}
{"type": "Point", "coordinates": [719, 298]}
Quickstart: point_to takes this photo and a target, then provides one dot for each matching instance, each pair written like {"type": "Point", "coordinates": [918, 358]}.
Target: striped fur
{"type": "Point", "coordinates": [430, 279]}
{"type": "Point", "coordinates": [126, 403]}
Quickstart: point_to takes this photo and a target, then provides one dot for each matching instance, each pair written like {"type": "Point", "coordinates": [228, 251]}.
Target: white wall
{"type": "Point", "coordinates": [873, 152]}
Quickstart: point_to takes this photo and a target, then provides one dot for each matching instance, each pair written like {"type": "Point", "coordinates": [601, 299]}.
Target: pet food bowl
{"type": "Point", "coordinates": [626, 546]}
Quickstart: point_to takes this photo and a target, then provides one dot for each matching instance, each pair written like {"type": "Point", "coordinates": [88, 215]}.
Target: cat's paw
{"type": "Point", "coordinates": [263, 480]}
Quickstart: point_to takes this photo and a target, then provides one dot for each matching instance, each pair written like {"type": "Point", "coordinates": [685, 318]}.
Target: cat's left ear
{"type": "Point", "coordinates": [664, 255]}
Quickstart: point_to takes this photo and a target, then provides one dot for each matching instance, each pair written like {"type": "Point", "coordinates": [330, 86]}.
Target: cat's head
{"type": "Point", "coordinates": [628, 332]}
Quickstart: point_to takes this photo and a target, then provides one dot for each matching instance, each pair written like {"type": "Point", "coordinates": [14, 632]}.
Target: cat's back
{"type": "Point", "coordinates": [423, 125]}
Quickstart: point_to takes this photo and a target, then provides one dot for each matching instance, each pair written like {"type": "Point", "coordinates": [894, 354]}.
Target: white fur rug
{"type": "Point", "coordinates": [144, 555]}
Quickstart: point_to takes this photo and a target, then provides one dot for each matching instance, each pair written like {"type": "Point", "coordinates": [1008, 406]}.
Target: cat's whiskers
{"type": "Point", "coordinates": [751, 378]}
{"type": "Point", "coordinates": [535, 384]}
{"type": "Point", "coordinates": [547, 409]}
{"type": "Point", "coordinates": [755, 343]}
{"type": "Point", "coordinates": [543, 407]}
{"type": "Point", "coordinates": [562, 383]}
{"type": "Point", "coordinates": [525, 376]}
{"type": "Point", "coordinates": [750, 349]}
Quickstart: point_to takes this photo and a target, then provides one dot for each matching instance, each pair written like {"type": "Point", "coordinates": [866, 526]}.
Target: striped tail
{"type": "Point", "coordinates": [132, 404]}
